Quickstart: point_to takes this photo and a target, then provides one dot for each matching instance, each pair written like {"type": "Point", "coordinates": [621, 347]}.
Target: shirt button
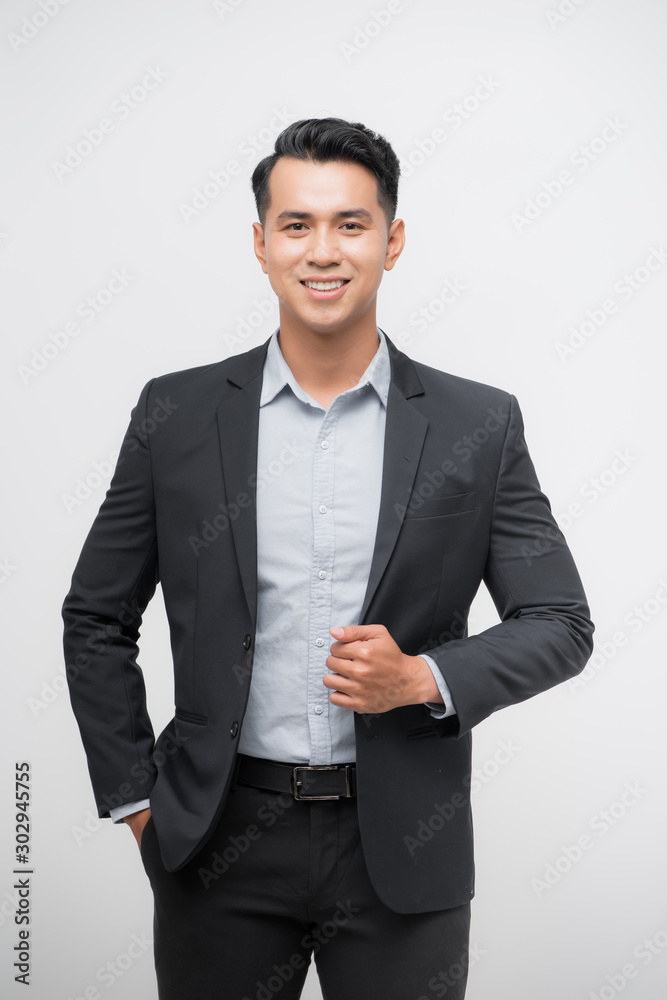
{"type": "Point", "coordinates": [322, 508]}
{"type": "Point", "coordinates": [322, 575]}
{"type": "Point", "coordinates": [324, 444]}
{"type": "Point", "coordinates": [318, 710]}
{"type": "Point", "coordinates": [319, 642]}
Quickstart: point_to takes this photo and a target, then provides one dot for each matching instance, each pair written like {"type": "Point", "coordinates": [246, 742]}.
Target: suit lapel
{"type": "Point", "coordinates": [403, 441]}
{"type": "Point", "coordinates": [238, 425]}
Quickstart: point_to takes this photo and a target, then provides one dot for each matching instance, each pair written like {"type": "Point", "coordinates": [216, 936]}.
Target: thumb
{"type": "Point", "coordinates": [354, 633]}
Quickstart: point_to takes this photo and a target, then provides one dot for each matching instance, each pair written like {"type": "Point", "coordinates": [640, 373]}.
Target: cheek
{"type": "Point", "coordinates": [277, 273]}
{"type": "Point", "coordinates": [282, 257]}
{"type": "Point", "coordinates": [370, 264]}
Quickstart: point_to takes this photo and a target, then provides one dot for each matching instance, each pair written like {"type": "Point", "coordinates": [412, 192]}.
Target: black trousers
{"type": "Point", "coordinates": [283, 880]}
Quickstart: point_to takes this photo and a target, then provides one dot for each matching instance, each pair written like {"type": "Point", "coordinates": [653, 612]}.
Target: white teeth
{"type": "Point", "coordinates": [323, 286]}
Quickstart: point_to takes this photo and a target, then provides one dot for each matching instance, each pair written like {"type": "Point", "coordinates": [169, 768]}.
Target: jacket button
{"type": "Point", "coordinates": [247, 641]}
{"type": "Point", "coordinates": [234, 730]}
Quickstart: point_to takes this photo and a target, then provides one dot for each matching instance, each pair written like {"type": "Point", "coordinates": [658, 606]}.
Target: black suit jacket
{"type": "Point", "coordinates": [460, 504]}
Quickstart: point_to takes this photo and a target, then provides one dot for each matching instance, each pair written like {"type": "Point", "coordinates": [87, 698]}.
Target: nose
{"type": "Point", "coordinates": [324, 248]}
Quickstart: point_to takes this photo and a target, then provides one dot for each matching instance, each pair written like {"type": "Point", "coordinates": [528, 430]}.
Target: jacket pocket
{"type": "Point", "coordinates": [439, 506]}
{"type": "Point", "coordinates": [197, 720]}
{"type": "Point", "coordinates": [420, 732]}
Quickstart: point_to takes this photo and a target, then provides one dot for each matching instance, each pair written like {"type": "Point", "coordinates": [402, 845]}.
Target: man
{"type": "Point", "coordinates": [320, 512]}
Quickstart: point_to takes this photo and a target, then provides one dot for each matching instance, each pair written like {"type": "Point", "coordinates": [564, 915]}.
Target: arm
{"type": "Point", "coordinates": [137, 821]}
{"type": "Point", "coordinates": [440, 701]}
{"type": "Point", "coordinates": [545, 634]}
{"type": "Point", "coordinates": [113, 582]}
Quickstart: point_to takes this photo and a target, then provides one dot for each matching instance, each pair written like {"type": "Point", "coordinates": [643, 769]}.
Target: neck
{"type": "Point", "coordinates": [326, 364]}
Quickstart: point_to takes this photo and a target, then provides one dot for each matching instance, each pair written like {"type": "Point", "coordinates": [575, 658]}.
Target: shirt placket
{"type": "Point", "coordinates": [321, 581]}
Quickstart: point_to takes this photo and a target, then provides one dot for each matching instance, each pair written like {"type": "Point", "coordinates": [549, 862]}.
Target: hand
{"type": "Point", "coordinates": [372, 675]}
{"type": "Point", "coordinates": [137, 821]}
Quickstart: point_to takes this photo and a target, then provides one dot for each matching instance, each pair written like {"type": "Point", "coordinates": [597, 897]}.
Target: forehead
{"type": "Point", "coordinates": [321, 188]}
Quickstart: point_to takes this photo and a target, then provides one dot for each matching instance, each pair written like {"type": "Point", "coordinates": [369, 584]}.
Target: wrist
{"type": "Point", "coordinates": [426, 687]}
{"type": "Point", "coordinates": [137, 818]}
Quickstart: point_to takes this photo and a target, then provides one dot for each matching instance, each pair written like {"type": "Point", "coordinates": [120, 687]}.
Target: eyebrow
{"type": "Point", "coordinates": [349, 213]}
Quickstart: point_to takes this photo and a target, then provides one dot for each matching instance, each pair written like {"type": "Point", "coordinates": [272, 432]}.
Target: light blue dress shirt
{"type": "Point", "coordinates": [319, 479]}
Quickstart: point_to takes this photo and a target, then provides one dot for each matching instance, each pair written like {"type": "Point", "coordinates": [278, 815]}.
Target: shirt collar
{"type": "Point", "coordinates": [277, 373]}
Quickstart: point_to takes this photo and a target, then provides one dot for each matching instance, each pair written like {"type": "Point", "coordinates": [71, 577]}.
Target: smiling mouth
{"type": "Point", "coordinates": [326, 286]}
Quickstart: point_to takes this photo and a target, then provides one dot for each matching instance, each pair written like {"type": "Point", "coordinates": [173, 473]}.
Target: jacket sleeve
{"type": "Point", "coordinates": [113, 581]}
{"type": "Point", "coordinates": [545, 634]}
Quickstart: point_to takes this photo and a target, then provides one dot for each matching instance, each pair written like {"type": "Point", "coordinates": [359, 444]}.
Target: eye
{"type": "Point", "coordinates": [293, 224]}
{"type": "Point", "coordinates": [354, 225]}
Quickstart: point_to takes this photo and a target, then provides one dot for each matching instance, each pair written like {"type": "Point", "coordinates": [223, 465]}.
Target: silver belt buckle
{"type": "Point", "coordinates": [322, 767]}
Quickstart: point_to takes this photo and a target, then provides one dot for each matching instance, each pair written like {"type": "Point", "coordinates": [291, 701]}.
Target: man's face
{"type": "Point", "coordinates": [324, 223]}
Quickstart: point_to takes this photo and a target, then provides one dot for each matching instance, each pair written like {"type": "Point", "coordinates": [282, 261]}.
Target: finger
{"type": "Point", "coordinates": [344, 651]}
{"type": "Point", "coordinates": [338, 682]}
{"type": "Point", "coordinates": [343, 632]}
{"type": "Point", "coordinates": [352, 633]}
{"type": "Point", "coordinates": [347, 665]}
{"type": "Point", "coordinates": [342, 701]}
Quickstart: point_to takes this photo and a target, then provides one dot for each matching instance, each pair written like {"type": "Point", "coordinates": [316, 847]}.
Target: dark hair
{"type": "Point", "coordinates": [323, 140]}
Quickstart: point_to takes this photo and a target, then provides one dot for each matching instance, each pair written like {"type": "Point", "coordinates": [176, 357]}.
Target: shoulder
{"type": "Point", "coordinates": [440, 387]}
{"type": "Point", "coordinates": [209, 381]}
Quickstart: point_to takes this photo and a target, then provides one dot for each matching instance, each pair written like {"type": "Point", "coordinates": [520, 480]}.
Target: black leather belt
{"type": "Point", "coordinates": [303, 781]}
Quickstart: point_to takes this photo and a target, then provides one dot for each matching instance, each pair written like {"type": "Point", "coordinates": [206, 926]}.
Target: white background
{"type": "Point", "coordinates": [231, 72]}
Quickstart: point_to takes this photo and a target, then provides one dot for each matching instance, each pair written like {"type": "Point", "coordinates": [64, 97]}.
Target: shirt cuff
{"type": "Point", "coordinates": [119, 812]}
{"type": "Point", "coordinates": [439, 711]}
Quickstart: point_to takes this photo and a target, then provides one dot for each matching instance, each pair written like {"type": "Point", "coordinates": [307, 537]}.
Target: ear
{"type": "Point", "coordinates": [260, 245]}
{"type": "Point", "coordinates": [395, 243]}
